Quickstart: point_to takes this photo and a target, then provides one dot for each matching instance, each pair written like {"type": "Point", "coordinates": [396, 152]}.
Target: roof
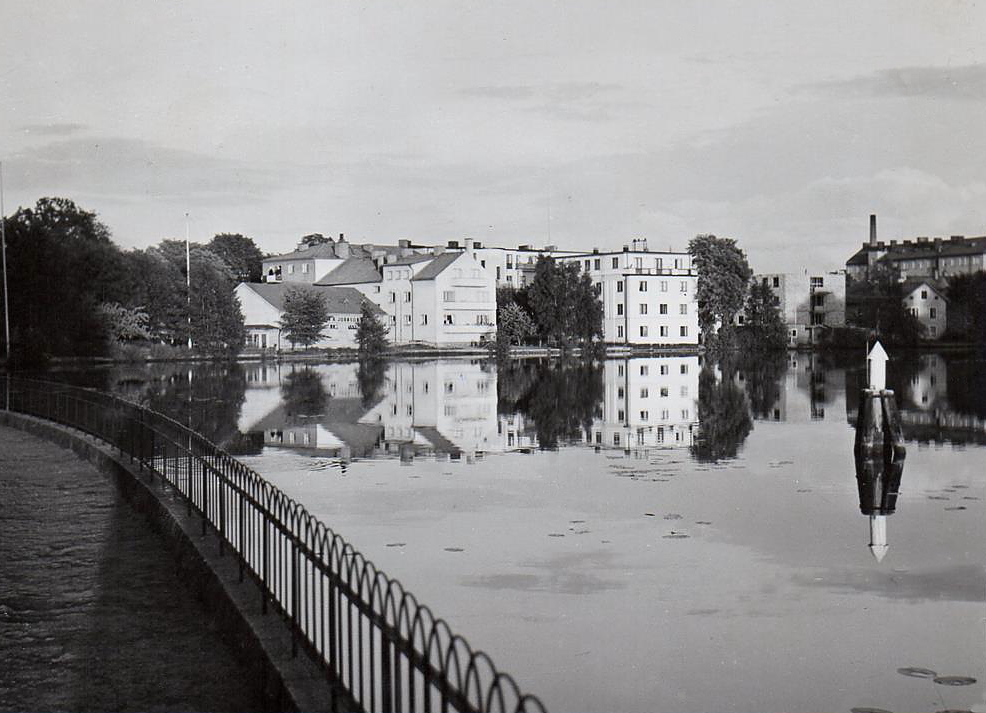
{"type": "Point", "coordinates": [859, 258]}
{"type": "Point", "coordinates": [410, 260]}
{"type": "Point", "coordinates": [909, 285]}
{"type": "Point", "coordinates": [322, 251]}
{"type": "Point", "coordinates": [338, 300]}
{"type": "Point", "coordinates": [354, 271]}
{"type": "Point", "coordinates": [437, 266]}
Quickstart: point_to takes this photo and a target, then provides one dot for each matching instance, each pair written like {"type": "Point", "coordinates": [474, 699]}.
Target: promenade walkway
{"type": "Point", "coordinates": [92, 614]}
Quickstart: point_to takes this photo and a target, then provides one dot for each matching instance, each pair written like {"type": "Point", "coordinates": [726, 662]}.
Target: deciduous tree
{"type": "Point", "coordinates": [305, 316]}
{"type": "Point", "coordinates": [723, 276]}
{"type": "Point", "coordinates": [371, 334]}
{"type": "Point", "coordinates": [763, 329]}
{"type": "Point", "coordinates": [241, 255]}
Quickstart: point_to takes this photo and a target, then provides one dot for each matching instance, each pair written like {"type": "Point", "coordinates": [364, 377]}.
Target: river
{"type": "Point", "coordinates": [639, 534]}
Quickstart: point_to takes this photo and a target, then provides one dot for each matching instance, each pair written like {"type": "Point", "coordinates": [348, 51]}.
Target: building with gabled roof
{"type": "Point", "coordinates": [262, 305]}
{"type": "Point", "coordinates": [927, 302]}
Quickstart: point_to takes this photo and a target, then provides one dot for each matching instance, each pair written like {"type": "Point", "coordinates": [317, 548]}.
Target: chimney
{"type": "Point", "coordinates": [468, 242]}
{"type": "Point", "coordinates": [626, 248]}
{"type": "Point", "coordinates": [342, 237]}
{"type": "Point", "coordinates": [524, 247]}
{"type": "Point", "coordinates": [404, 243]}
{"type": "Point", "coordinates": [453, 244]}
{"type": "Point", "coordinates": [893, 243]}
{"type": "Point", "coordinates": [342, 248]}
{"type": "Point", "coordinates": [595, 251]}
{"type": "Point", "coordinates": [872, 229]}
{"type": "Point", "coordinates": [476, 244]}
{"type": "Point", "coordinates": [550, 248]}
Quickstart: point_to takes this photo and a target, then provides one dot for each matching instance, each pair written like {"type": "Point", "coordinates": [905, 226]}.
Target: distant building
{"type": "Point", "coordinates": [263, 305]}
{"type": "Point", "coordinates": [923, 257]}
{"type": "Point", "coordinates": [808, 303]}
{"type": "Point", "coordinates": [926, 302]}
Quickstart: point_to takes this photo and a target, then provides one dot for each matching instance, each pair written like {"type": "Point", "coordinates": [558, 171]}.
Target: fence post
{"type": "Point", "coordinates": [386, 693]}
{"type": "Point", "coordinates": [220, 481]}
{"type": "Point", "coordinates": [205, 497]}
{"type": "Point", "coordinates": [295, 596]}
{"type": "Point", "coordinates": [265, 582]}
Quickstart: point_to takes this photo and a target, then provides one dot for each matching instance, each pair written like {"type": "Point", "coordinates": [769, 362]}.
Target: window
{"type": "Point", "coordinates": [664, 369]}
{"type": "Point", "coordinates": [643, 310]}
{"type": "Point", "coordinates": [684, 368]}
{"type": "Point", "coordinates": [596, 264]}
{"type": "Point", "coordinates": [620, 393]}
{"type": "Point", "coordinates": [291, 268]}
{"type": "Point", "coordinates": [304, 267]}
{"type": "Point", "coordinates": [934, 313]}
{"type": "Point", "coordinates": [638, 262]}
{"type": "Point", "coordinates": [498, 272]}
{"type": "Point", "coordinates": [664, 330]}
{"type": "Point", "coordinates": [818, 300]}
{"type": "Point", "coordinates": [664, 285]}
{"type": "Point", "coordinates": [685, 414]}
{"type": "Point", "coordinates": [644, 370]}
{"type": "Point", "coordinates": [448, 319]}
{"type": "Point", "coordinates": [510, 279]}
{"type": "Point", "coordinates": [619, 285]}
{"type": "Point", "coordinates": [510, 262]}
{"type": "Point", "coordinates": [616, 439]}
{"type": "Point", "coordinates": [393, 296]}
{"type": "Point", "coordinates": [934, 330]}
{"type": "Point", "coordinates": [619, 308]}
{"type": "Point", "coordinates": [664, 392]}
{"type": "Point", "coordinates": [643, 285]}
{"type": "Point", "coordinates": [620, 416]}
{"type": "Point", "coordinates": [616, 262]}
{"type": "Point", "coordinates": [677, 263]}
{"type": "Point", "coordinates": [587, 263]}
{"type": "Point", "coordinates": [644, 415]}
{"type": "Point", "coordinates": [924, 294]}
{"type": "Point", "coordinates": [684, 285]}
{"type": "Point", "coordinates": [817, 282]}
{"type": "Point", "coordinates": [483, 263]}
{"type": "Point", "coordinates": [644, 393]}
{"type": "Point", "coordinates": [684, 391]}
{"type": "Point", "coordinates": [393, 319]}
{"type": "Point", "coordinates": [683, 308]}
{"type": "Point", "coordinates": [659, 263]}
{"type": "Point", "coordinates": [424, 319]}
{"type": "Point", "coordinates": [619, 330]}
{"type": "Point", "coordinates": [643, 330]}
{"type": "Point", "coordinates": [777, 282]}
{"type": "Point", "coordinates": [619, 370]}
{"type": "Point", "coordinates": [683, 331]}
{"type": "Point", "coordinates": [664, 309]}
{"type": "Point", "coordinates": [407, 296]}
{"type": "Point", "coordinates": [448, 296]}
{"type": "Point", "coordinates": [407, 319]}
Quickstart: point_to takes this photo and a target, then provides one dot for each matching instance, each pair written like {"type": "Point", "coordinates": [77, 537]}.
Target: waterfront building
{"type": "Point", "coordinates": [262, 305]}
{"type": "Point", "coordinates": [925, 301]}
{"type": "Point", "coordinates": [808, 303]}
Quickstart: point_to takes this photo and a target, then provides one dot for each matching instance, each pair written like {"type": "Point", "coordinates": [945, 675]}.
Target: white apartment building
{"type": "Point", "coordinates": [514, 267]}
{"type": "Point", "coordinates": [648, 297]}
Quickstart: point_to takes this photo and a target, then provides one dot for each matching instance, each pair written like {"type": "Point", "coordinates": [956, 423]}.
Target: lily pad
{"type": "Point", "coordinates": [454, 549]}
{"type": "Point", "coordinates": [915, 672]}
{"type": "Point", "coordinates": [672, 516]}
{"type": "Point", "coordinates": [395, 544]}
{"type": "Point", "coordinates": [954, 680]}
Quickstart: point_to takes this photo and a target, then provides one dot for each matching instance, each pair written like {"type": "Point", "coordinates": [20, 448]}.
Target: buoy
{"type": "Point", "coordinates": [879, 451]}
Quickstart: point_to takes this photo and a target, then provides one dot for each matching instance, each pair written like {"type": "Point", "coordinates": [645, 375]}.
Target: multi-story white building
{"type": "Point", "coordinates": [648, 297]}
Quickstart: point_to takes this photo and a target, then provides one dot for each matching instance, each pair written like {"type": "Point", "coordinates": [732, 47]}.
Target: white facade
{"type": "Point", "coordinates": [807, 302]}
{"type": "Point", "coordinates": [929, 306]}
{"type": "Point", "coordinates": [648, 297]}
{"type": "Point", "coordinates": [514, 267]}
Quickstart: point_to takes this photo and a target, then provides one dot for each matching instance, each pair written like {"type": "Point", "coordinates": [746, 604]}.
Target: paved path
{"type": "Point", "coordinates": [92, 615]}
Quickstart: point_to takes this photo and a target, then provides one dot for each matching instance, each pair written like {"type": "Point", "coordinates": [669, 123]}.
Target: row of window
{"type": "Point", "coordinates": [645, 392]}
{"type": "Point", "coordinates": [645, 416]}
{"type": "Point", "coordinates": [484, 319]}
{"type": "Point", "coordinates": [638, 263]}
{"type": "Point", "coordinates": [661, 308]}
{"type": "Point", "coordinates": [642, 286]}
{"type": "Point", "coordinates": [645, 369]}
{"type": "Point", "coordinates": [663, 331]}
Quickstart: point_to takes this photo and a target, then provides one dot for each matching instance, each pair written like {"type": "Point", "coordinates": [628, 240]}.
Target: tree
{"type": "Point", "coordinates": [241, 255]}
{"type": "Point", "coordinates": [967, 306]}
{"type": "Point", "coordinates": [877, 304]}
{"type": "Point", "coordinates": [723, 276]}
{"type": "Point", "coordinates": [513, 324]}
{"type": "Point", "coordinates": [371, 334]}
{"type": "Point", "coordinates": [305, 315]}
{"type": "Point", "coordinates": [304, 394]}
{"type": "Point", "coordinates": [723, 415]}
{"type": "Point", "coordinates": [125, 324]}
{"type": "Point", "coordinates": [61, 265]}
{"type": "Point", "coordinates": [763, 328]}
{"type": "Point", "coordinates": [313, 239]}
{"type": "Point", "coordinates": [564, 303]}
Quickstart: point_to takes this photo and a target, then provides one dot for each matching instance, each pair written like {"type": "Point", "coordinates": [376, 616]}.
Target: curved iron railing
{"type": "Point", "coordinates": [368, 633]}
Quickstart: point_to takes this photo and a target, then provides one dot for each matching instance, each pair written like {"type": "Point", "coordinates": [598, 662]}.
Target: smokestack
{"type": "Point", "coordinates": [872, 229]}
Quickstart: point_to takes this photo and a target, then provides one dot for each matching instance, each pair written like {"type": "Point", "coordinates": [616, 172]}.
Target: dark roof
{"type": "Point", "coordinates": [354, 271]}
{"type": "Point", "coordinates": [911, 284]}
{"type": "Point", "coordinates": [322, 251]}
{"type": "Point", "coordinates": [410, 260]}
{"type": "Point", "coordinates": [339, 300]}
{"type": "Point", "coordinates": [923, 251]}
{"type": "Point", "coordinates": [859, 258]}
{"type": "Point", "coordinates": [437, 266]}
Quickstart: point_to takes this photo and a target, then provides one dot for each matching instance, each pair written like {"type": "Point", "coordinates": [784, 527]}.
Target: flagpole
{"type": "Point", "coordinates": [188, 283]}
{"type": "Point", "coordinates": [3, 242]}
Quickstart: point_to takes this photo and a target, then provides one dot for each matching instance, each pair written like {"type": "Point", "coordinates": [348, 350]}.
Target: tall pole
{"type": "Point", "coordinates": [3, 242]}
{"type": "Point", "coordinates": [188, 283]}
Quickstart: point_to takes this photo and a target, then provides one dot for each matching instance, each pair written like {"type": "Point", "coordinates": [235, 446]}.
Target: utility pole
{"type": "Point", "coordinates": [188, 284]}
{"type": "Point", "coordinates": [3, 242]}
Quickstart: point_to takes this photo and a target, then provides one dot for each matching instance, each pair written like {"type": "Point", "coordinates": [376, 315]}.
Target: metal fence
{"type": "Point", "coordinates": [368, 633]}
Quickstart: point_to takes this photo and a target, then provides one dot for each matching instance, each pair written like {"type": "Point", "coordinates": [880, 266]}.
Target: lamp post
{"type": "Point", "coordinates": [3, 243]}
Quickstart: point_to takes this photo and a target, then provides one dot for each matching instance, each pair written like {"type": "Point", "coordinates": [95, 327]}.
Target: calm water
{"type": "Point", "coordinates": [640, 534]}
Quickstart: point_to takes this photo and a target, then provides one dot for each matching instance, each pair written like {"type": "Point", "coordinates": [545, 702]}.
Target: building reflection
{"type": "Point", "coordinates": [466, 409]}
{"type": "Point", "coordinates": [796, 388]}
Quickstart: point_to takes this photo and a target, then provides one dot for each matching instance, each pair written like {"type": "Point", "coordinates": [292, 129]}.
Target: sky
{"type": "Point", "coordinates": [579, 123]}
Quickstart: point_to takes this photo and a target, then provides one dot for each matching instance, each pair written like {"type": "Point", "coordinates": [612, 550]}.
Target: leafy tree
{"type": "Point", "coordinates": [61, 265]}
{"type": "Point", "coordinates": [763, 328]}
{"type": "Point", "coordinates": [564, 303]}
{"type": "Point", "coordinates": [513, 324]}
{"type": "Point", "coordinates": [370, 375]}
{"type": "Point", "coordinates": [241, 255]}
{"type": "Point", "coordinates": [877, 304]}
{"type": "Point", "coordinates": [561, 398]}
{"type": "Point", "coordinates": [313, 239]}
{"type": "Point", "coordinates": [967, 307]}
{"type": "Point", "coordinates": [305, 315]}
{"type": "Point", "coordinates": [723, 276]}
{"type": "Point", "coordinates": [125, 324]}
{"type": "Point", "coordinates": [371, 334]}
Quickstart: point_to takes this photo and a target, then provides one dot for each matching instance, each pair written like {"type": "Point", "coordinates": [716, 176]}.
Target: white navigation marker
{"type": "Point", "coordinates": [876, 367]}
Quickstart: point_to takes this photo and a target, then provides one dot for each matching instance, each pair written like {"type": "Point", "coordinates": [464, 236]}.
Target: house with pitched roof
{"type": "Point", "coordinates": [263, 305]}
{"type": "Point", "coordinates": [926, 301]}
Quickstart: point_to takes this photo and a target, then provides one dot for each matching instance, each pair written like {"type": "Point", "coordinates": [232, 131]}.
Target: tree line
{"type": "Point", "coordinates": [74, 292]}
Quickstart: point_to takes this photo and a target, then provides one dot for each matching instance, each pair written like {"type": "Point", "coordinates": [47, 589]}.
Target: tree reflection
{"type": "Point", "coordinates": [723, 414]}
{"type": "Point", "coordinates": [560, 397]}
{"type": "Point", "coordinates": [370, 375]}
{"type": "Point", "coordinates": [762, 373]}
{"type": "Point", "coordinates": [303, 393]}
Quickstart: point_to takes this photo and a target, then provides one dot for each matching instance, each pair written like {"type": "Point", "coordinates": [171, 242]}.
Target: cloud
{"type": "Point", "coordinates": [52, 129]}
{"type": "Point", "coordinates": [579, 101]}
{"type": "Point", "coordinates": [964, 83]}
